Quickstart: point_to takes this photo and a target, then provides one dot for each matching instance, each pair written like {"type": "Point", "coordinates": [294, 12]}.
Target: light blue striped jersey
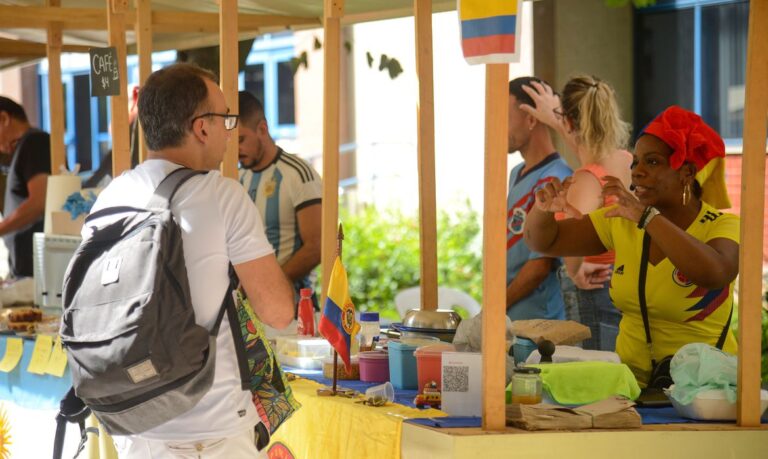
{"type": "Point", "coordinates": [280, 190]}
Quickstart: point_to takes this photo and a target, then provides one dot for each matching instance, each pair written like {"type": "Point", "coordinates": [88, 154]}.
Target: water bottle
{"type": "Point", "coordinates": [306, 316]}
{"type": "Point", "coordinates": [369, 330]}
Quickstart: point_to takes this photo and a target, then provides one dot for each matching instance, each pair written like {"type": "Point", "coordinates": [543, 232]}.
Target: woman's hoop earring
{"type": "Point", "coordinates": [686, 194]}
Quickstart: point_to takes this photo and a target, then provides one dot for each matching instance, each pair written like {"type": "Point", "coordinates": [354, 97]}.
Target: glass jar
{"type": "Point", "coordinates": [526, 385]}
{"type": "Point", "coordinates": [369, 330]}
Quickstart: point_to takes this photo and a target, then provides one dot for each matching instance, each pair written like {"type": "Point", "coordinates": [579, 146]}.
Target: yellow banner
{"type": "Point", "coordinates": [40, 354]}
{"type": "Point", "coordinates": [14, 348]}
{"type": "Point", "coordinates": [58, 361]}
{"type": "Point", "coordinates": [479, 9]}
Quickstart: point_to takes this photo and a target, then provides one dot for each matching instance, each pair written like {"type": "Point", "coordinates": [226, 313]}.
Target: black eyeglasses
{"type": "Point", "coordinates": [230, 121]}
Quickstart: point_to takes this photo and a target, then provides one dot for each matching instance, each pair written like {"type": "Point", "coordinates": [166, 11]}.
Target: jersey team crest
{"type": "Point", "coordinates": [680, 278]}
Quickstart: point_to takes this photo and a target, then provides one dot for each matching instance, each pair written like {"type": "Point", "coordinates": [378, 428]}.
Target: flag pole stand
{"type": "Point", "coordinates": [324, 391]}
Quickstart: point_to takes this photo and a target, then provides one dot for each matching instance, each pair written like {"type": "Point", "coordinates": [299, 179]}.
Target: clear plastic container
{"type": "Point", "coordinates": [369, 330]}
{"type": "Point", "coordinates": [526, 386]}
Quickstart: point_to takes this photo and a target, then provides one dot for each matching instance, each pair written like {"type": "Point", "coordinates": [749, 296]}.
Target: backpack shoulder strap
{"type": "Point", "coordinates": [167, 189]}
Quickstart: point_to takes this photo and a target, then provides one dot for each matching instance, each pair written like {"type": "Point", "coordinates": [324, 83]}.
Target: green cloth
{"type": "Point", "coordinates": [579, 383]}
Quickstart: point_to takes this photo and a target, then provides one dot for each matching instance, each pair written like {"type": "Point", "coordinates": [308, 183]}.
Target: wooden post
{"type": "Point", "coordinates": [426, 154]}
{"type": "Point", "coordinates": [494, 246]}
{"type": "Point", "coordinates": [121, 144]}
{"type": "Point", "coordinates": [228, 77]}
{"type": "Point", "coordinates": [332, 12]}
{"type": "Point", "coordinates": [55, 93]}
{"type": "Point", "coordinates": [144, 50]}
{"type": "Point", "coordinates": [752, 202]}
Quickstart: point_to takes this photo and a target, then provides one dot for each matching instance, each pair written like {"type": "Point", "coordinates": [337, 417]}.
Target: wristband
{"type": "Point", "coordinates": [649, 213]}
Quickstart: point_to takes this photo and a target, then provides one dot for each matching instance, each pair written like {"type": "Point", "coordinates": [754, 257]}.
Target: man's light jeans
{"type": "Point", "coordinates": [242, 445]}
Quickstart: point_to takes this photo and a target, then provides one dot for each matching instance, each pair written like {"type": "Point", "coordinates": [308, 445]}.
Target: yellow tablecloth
{"type": "Point", "coordinates": [338, 428]}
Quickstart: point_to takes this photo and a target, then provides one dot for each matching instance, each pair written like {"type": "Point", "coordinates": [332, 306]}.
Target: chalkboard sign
{"type": "Point", "coordinates": [105, 78]}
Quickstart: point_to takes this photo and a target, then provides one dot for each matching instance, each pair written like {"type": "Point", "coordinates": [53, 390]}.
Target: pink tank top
{"type": "Point", "coordinates": [599, 172]}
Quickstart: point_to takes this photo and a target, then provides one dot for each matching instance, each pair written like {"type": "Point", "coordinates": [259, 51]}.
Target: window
{"type": "Point", "coordinates": [268, 76]}
{"type": "Point", "coordinates": [693, 53]}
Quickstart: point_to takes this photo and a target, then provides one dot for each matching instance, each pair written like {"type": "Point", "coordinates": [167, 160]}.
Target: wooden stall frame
{"type": "Point", "coordinates": [422, 12]}
{"type": "Point", "coordinates": [228, 70]}
{"type": "Point", "coordinates": [51, 17]}
{"type": "Point", "coordinates": [333, 10]}
{"type": "Point", "coordinates": [752, 205]}
{"type": "Point", "coordinates": [143, 31]}
{"type": "Point", "coordinates": [121, 145]}
{"type": "Point", "coordinates": [56, 93]}
{"type": "Point", "coordinates": [494, 246]}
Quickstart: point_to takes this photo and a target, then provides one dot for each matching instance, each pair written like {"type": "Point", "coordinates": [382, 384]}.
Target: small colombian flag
{"type": "Point", "coordinates": [490, 30]}
{"type": "Point", "coordinates": [338, 323]}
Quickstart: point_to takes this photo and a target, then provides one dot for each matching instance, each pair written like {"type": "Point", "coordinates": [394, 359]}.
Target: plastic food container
{"type": "Point", "coordinates": [429, 364]}
{"type": "Point", "coordinates": [522, 349]}
{"type": "Point", "coordinates": [402, 363]}
{"type": "Point", "coordinates": [341, 372]}
{"type": "Point", "coordinates": [711, 405]}
{"type": "Point", "coordinates": [374, 366]}
{"type": "Point", "coordinates": [302, 351]}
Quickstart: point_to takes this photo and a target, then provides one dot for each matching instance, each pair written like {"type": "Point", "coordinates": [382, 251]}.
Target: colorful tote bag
{"type": "Point", "coordinates": [272, 395]}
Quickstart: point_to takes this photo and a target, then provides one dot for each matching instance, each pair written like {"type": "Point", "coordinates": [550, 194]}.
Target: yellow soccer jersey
{"type": "Point", "coordinates": [679, 311]}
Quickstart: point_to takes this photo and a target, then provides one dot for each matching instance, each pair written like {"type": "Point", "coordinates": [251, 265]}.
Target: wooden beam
{"type": "Point", "coordinates": [422, 11]}
{"type": "Point", "coordinates": [228, 77]}
{"type": "Point", "coordinates": [494, 246]}
{"type": "Point", "coordinates": [121, 145]}
{"type": "Point", "coordinates": [332, 10]}
{"type": "Point", "coordinates": [752, 212]}
{"type": "Point", "coordinates": [55, 94]}
{"type": "Point", "coordinates": [22, 48]}
{"type": "Point", "coordinates": [36, 17]}
{"type": "Point", "coordinates": [143, 32]}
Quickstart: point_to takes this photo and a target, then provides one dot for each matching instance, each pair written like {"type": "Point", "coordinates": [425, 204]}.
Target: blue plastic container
{"type": "Point", "coordinates": [522, 349]}
{"type": "Point", "coordinates": [402, 365]}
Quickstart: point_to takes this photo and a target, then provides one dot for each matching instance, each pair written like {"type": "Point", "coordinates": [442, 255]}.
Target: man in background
{"type": "Point", "coordinates": [286, 191]}
{"type": "Point", "coordinates": [533, 290]}
{"type": "Point", "coordinates": [24, 208]}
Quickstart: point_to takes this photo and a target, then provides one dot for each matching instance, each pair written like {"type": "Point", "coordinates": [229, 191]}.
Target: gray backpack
{"type": "Point", "coordinates": [137, 357]}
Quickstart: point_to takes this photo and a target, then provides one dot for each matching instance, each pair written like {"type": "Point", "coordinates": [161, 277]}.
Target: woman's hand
{"type": "Point", "coordinates": [548, 109]}
{"type": "Point", "coordinates": [591, 276]}
{"type": "Point", "coordinates": [629, 206]}
{"type": "Point", "coordinates": [552, 197]}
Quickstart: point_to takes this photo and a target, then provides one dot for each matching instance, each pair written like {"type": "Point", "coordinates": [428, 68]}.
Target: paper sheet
{"type": "Point", "coordinates": [58, 361]}
{"type": "Point", "coordinates": [14, 348]}
{"type": "Point", "coordinates": [40, 354]}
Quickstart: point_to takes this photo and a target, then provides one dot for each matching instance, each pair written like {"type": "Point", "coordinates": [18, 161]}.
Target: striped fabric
{"type": "Point", "coordinates": [489, 30]}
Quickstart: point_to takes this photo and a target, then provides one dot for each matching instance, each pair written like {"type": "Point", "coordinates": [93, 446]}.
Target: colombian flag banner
{"type": "Point", "coordinates": [490, 30]}
{"type": "Point", "coordinates": [338, 323]}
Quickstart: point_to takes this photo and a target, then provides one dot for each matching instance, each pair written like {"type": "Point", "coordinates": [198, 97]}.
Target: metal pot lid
{"type": "Point", "coordinates": [441, 319]}
{"type": "Point", "coordinates": [401, 327]}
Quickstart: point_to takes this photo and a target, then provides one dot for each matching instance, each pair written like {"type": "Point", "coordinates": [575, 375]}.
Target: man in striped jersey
{"type": "Point", "coordinates": [286, 191]}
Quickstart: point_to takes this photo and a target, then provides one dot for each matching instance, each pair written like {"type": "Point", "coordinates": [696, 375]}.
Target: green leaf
{"type": "Point", "coordinates": [348, 46]}
{"type": "Point", "coordinates": [369, 58]}
{"type": "Point", "coordinates": [317, 45]}
{"type": "Point", "coordinates": [394, 68]}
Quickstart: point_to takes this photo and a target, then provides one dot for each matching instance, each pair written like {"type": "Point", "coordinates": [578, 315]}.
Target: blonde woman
{"type": "Point", "coordinates": [587, 117]}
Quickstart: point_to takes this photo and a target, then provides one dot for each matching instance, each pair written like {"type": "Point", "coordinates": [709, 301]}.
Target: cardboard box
{"type": "Point", "coordinates": [62, 223]}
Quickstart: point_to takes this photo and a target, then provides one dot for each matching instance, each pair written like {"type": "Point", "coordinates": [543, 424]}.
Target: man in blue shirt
{"type": "Point", "coordinates": [533, 290]}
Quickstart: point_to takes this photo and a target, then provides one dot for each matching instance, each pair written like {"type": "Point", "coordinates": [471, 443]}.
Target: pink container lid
{"type": "Point", "coordinates": [373, 355]}
{"type": "Point", "coordinates": [433, 350]}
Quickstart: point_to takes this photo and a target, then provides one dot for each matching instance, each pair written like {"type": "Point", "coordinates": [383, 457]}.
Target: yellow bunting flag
{"type": "Point", "coordinates": [14, 348]}
{"type": "Point", "coordinates": [40, 354]}
{"type": "Point", "coordinates": [58, 361]}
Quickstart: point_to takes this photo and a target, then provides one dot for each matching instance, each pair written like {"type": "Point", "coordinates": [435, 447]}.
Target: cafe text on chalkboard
{"type": "Point", "coordinates": [105, 78]}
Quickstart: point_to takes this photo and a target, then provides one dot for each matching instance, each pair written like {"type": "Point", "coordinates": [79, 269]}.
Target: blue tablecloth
{"type": "Point", "coordinates": [30, 390]}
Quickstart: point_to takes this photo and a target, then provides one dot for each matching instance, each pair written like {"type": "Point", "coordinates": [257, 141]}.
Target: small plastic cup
{"type": "Point", "coordinates": [386, 390]}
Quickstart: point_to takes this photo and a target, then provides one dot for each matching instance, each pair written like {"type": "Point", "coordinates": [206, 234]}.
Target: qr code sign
{"type": "Point", "coordinates": [455, 379]}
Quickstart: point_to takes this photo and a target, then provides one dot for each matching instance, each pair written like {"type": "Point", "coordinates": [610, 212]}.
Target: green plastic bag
{"type": "Point", "coordinates": [698, 367]}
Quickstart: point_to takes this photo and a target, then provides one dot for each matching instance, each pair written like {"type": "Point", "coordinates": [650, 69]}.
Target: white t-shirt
{"type": "Point", "coordinates": [219, 224]}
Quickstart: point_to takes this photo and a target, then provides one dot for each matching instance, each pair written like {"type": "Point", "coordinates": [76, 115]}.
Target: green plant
{"type": "Point", "coordinates": [381, 255]}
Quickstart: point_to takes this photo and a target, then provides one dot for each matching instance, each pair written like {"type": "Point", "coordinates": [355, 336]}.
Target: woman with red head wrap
{"type": "Point", "coordinates": [675, 251]}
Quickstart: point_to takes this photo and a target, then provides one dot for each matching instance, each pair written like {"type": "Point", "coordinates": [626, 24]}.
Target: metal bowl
{"type": "Point", "coordinates": [441, 319]}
